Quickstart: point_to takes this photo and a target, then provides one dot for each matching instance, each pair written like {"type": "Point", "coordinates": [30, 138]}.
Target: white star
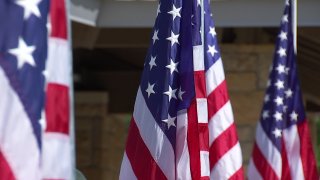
{"type": "Point", "coordinates": [158, 10]}
{"type": "Point", "coordinates": [281, 69]}
{"type": "Point", "coordinates": [212, 50]}
{"type": "Point", "coordinates": [23, 53]}
{"type": "Point", "coordinates": [287, 2]}
{"type": "Point", "coordinates": [198, 2]}
{"type": "Point", "coordinates": [30, 7]}
{"type": "Point", "coordinates": [279, 84]}
{"type": "Point", "coordinates": [285, 18]}
{"type": "Point", "coordinates": [172, 66]}
{"type": "Point", "coordinates": [42, 121]}
{"type": "Point", "coordinates": [170, 121]}
{"type": "Point", "coordinates": [268, 83]}
{"type": "Point", "coordinates": [287, 70]}
{"type": "Point", "coordinates": [45, 73]}
{"type": "Point", "coordinates": [283, 36]}
{"type": "Point", "coordinates": [266, 98]}
{"type": "Point", "coordinates": [288, 93]}
{"type": "Point", "coordinates": [282, 52]}
{"type": "Point", "coordinates": [213, 31]}
{"type": "Point", "coordinates": [180, 93]}
{"type": "Point", "coordinates": [278, 116]}
{"type": "Point", "coordinates": [152, 62]}
{"type": "Point", "coordinates": [265, 114]}
{"type": "Point", "coordinates": [49, 26]}
{"type": "Point", "coordinates": [192, 16]}
{"type": "Point", "coordinates": [175, 12]}
{"type": "Point", "coordinates": [277, 133]}
{"type": "Point", "coordinates": [155, 36]}
{"type": "Point", "coordinates": [294, 116]}
{"type": "Point", "coordinates": [285, 108]}
{"type": "Point", "coordinates": [171, 93]}
{"type": "Point", "coordinates": [173, 38]}
{"type": "Point", "coordinates": [279, 101]}
{"type": "Point", "coordinates": [150, 90]}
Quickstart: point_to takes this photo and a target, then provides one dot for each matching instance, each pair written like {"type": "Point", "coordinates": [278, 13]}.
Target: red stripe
{"type": "Point", "coordinates": [58, 19]}
{"type": "Point", "coordinates": [237, 175]}
{"type": "Point", "coordinates": [262, 164]}
{"type": "Point", "coordinates": [143, 164]}
{"type": "Point", "coordinates": [203, 136]}
{"type": "Point", "coordinates": [193, 141]}
{"type": "Point", "coordinates": [306, 152]}
{"type": "Point", "coordinates": [218, 98]}
{"type": "Point", "coordinates": [223, 144]}
{"type": "Point", "coordinates": [285, 174]}
{"type": "Point", "coordinates": [57, 108]}
{"type": "Point", "coordinates": [5, 170]}
{"type": "Point", "coordinates": [205, 178]}
{"type": "Point", "coordinates": [200, 84]}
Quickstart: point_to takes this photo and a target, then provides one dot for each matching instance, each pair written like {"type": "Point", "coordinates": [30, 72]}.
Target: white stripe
{"type": "Point", "coordinates": [58, 67]}
{"type": "Point", "coordinates": [214, 76]}
{"type": "Point", "coordinates": [228, 164]}
{"type": "Point", "coordinates": [17, 140]}
{"type": "Point", "coordinates": [253, 173]}
{"type": "Point", "coordinates": [182, 151]}
{"type": "Point", "coordinates": [292, 145]}
{"type": "Point", "coordinates": [205, 165]}
{"type": "Point", "coordinates": [126, 172]}
{"type": "Point", "coordinates": [57, 146]}
{"type": "Point", "coordinates": [202, 110]}
{"type": "Point", "coordinates": [269, 151]}
{"type": "Point", "coordinates": [198, 58]}
{"type": "Point", "coordinates": [153, 137]}
{"type": "Point", "coordinates": [221, 121]}
{"type": "Point", "coordinates": [57, 162]}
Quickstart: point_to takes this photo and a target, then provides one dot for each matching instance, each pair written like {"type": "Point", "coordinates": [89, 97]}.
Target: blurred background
{"type": "Point", "coordinates": [110, 41]}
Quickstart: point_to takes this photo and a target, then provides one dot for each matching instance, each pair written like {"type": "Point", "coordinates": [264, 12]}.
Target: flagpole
{"type": "Point", "coordinates": [294, 24]}
{"type": "Point", "coordinates": [202, 23]}
{"type": "Point", "coordinates": [72, 119]}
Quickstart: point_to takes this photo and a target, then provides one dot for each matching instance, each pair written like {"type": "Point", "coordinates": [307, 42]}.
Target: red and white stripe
{"type": "Point", "coordinates": [266, 158]}
{"type": "Point", "coordinates": [57, 141]}
{"type": "Point", "coordinates": [19, 151]}
{"type": "Point", "coordinates": [225, 151]}
{"type": "Point", "coordinates": [155, 156]}
{"type": "Point", "coordinates": [208, 150]}
{"type": "Point", "coordinates": [199, 130]}
{"type": "Point", "coordinates": [294, 162]}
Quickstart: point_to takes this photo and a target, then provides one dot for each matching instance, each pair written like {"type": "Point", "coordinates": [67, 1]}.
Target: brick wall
{"type": "Point", "coordinates": [247, 68]}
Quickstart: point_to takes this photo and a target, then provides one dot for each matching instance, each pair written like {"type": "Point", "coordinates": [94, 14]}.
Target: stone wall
{"type": "Point", "coordinates": [246, 68]}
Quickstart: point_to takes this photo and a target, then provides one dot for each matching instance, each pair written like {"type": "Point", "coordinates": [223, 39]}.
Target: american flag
{"type": "Point", "coordinates": [58, 145]}
{"type": "Point", "coordinates": [282, 148]}
{"type": "Point", "coordinates": [182, 125]}
{"type": "Point", "coordinates": [35, 83]}
{"type": "Point", "coordinates": [23, 54]}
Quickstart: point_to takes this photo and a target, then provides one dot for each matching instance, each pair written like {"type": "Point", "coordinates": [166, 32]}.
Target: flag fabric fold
{"type": "Point", "coordinates": [58, 145]}
{"type": "Point", "coordinates": [35, 81]}
{"type": "Point", "coordinates": [282, 148]}
{"type": "Point", "coordinates": [182, 125]}
{"type": "Point", "coordinates": [23, 53]}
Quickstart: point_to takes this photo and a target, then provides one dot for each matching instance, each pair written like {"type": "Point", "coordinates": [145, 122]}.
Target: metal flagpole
{"type": "Point", "coordinates": [72, 117]}
{"type": "Point", "coordinates": [294, 24]}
